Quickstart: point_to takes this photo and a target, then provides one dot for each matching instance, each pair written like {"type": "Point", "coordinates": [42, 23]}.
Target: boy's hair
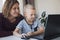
{"type": "Point", "coordinates": [28, 7]}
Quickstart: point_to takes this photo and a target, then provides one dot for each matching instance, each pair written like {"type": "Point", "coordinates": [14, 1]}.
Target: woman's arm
{"type": "Point", "coordinates": [3, 33]}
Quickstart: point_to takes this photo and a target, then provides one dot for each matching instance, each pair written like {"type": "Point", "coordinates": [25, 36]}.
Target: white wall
{"type": "Point", "coordinates": [1, 4]}
{"type": "Point", "coordinates": [50, 6]}
{"type": "Point", "coordinates": [21, 6]}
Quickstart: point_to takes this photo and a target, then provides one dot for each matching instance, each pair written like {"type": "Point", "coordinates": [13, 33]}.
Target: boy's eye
{"type": "Point", "coordinates": [32, 14]}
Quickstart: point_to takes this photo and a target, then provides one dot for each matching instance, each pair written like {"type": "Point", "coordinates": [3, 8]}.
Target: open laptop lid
{"type": "Point", "coordinates": [52, 27]}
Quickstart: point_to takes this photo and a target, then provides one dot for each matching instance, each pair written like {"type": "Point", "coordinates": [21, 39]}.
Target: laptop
{"type": "Point", "coordinates": [52, 29]}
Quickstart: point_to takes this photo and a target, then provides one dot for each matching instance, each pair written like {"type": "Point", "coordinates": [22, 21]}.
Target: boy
{"type": "Point", "coordinates": [29, 27]}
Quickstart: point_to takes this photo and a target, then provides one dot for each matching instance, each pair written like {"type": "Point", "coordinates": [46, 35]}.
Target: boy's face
{"type": "Point", "coordinates": [30, 15]}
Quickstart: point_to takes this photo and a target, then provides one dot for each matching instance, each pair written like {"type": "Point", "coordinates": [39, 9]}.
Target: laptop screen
{"type": "Point", "coordinates": [52, 27]}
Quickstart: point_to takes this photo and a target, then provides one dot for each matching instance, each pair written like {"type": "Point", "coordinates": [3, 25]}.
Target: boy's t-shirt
{"type": "Point", "coordinates": [25, 27]}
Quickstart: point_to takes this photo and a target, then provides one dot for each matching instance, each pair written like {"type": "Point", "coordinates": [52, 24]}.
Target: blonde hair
{"type": "Point", "coordinates": [7, 7]}
{"type": "Point", "coordinates": [28, 7]}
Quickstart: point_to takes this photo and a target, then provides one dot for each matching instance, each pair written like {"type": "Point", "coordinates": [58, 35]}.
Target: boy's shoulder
{"type": "Point", "coordinates": [22, 21]}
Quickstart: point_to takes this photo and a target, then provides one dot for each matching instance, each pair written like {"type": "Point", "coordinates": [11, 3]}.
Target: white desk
{"type": "Point", "coordinates": [10, 38]}
{"type": "Point", "coordinates": [14, 38]}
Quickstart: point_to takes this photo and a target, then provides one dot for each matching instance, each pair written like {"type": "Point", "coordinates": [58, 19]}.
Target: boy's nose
{"type": "Point", "coordinates": [33, 16]}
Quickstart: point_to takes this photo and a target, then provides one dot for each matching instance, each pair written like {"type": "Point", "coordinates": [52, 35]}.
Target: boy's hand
{"type": "Point", "coordinates": [20, 36]}
{"type": "Point", "coordinates": [29, 34]}
{"type": "Point", "coordinates": [23, 35]}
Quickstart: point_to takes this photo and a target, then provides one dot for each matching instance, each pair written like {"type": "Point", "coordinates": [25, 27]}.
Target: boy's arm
{"type": "Point", "coordinates": [38, 32]}
{"type": "Point", "coordinates": [16, 32]}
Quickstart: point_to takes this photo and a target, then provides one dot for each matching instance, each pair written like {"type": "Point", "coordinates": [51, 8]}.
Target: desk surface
{"type": "Point", "coordinates": [10, 38]}
{"type": "Point", "coordinates": [14, 38]}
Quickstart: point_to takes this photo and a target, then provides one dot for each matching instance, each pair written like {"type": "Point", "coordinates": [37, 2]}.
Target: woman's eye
{"type": "Point", "coordinates": [14, 8]}
{"type": "Point", "coordinates": [31, 14]}
{"type": "Point", "coordinates": [17, 8]}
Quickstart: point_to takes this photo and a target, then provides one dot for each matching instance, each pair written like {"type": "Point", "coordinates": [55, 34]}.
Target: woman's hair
{"type": "Point", "coordinates": [7, 7]}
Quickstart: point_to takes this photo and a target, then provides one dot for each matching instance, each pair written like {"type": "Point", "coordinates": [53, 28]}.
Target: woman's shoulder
{"type": "Point", "coordinates": [1, 15]}
{"type": "Point", "coordinates": [20, 17]}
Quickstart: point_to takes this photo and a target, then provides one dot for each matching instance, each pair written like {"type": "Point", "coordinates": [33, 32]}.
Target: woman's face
{"type": "Point", "coordinates": [15, 10]}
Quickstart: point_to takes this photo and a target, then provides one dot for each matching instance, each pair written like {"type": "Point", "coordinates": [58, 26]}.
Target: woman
{"type": "Point", "coordinates": [9, 17]}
